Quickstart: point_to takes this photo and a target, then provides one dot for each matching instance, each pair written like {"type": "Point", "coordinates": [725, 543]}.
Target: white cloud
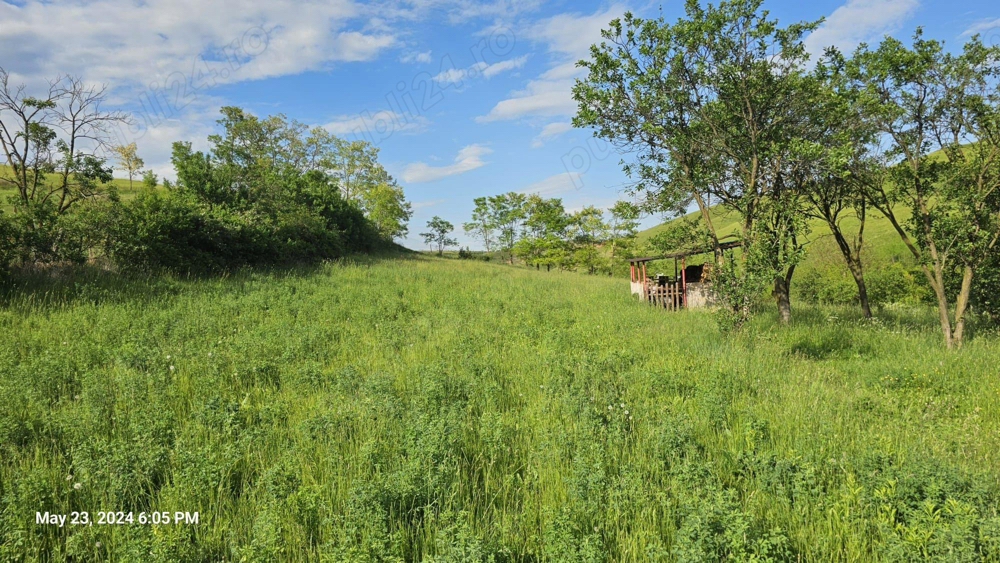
{"type": "Point", "coordinates": [568, 38]}
{"type": "Point", "coordinates": [427, 203]}
{"type": "Point", "coordinates": [122, 42]}
{"type": "Point", "coordinates": [553, 185]}
{"type": "Point", "coordinates": [380, 124]}
{"type": "Point", "coordinates": [982, 25]}
{"type": "Point", "coordinates": [468, 158]}
{"type": "Point", "coordinates": [457, 76]}
{"type": "Point", "coordinates": [424, 57]}
{"type": "Point", "coordinates": [550, 131]}
{"type": "Point", "coordinates": [859, 21]}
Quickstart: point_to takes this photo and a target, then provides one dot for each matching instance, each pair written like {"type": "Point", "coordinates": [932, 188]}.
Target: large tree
{"type": "Point", "coordinates": [940, 113]}
{"type": "Point", "coordinates": [482, 225]}
{"type": "Point", "coordinates": [711, 107]}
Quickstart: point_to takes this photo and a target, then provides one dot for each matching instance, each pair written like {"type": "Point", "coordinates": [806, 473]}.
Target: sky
{"type": "Point", "coordinates": [463, 99]}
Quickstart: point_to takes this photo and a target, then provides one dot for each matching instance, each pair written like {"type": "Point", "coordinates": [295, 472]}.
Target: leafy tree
{"type": "Point", "coordinates": [711, 107]}
{"type": "Point", "coordinates": [587, 230]}
{"type": "Point", "coordinates": [507, 213]}
{"type": "Point", "coordinates": [437, 234]}
{"type": "Point", "coordinates": [386, 206]}
{"type": "Point", "coordinates": [128, 160]}
{"type": "Point", "coordinates": [940, 113]}
{"type": "Point", "coordinates": [623, 226]}
{"type": "Point", "coordinates": [544, 237]}
{"type": "Point", "coordinates": [149, 179]}
{"type": "Point", "coordinates": [482, 225]}
{"type": "Point", "coordinates": [846, 164]}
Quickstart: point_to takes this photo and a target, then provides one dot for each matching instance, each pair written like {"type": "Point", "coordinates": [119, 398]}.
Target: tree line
{"type": "Point", "coordinates": [724, 106]}
{"type": "Point", "coordinates": [541, 232]}
{"type": "Point", "coordinates": [267, 190]}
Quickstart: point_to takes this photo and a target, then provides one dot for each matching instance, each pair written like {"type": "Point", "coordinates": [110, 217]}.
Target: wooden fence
{"type": "Point", "coordinates": [669, 296]}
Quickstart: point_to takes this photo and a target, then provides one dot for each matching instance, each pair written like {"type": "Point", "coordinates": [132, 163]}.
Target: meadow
{"type": "Point", "coordinates": [414, 408]}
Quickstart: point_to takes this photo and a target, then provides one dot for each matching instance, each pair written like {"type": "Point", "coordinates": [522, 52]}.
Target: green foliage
{"type": "Point", "coordinates": [437, 234]}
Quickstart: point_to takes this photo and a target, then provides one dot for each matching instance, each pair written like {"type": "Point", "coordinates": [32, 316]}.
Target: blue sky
{"type": "Point", "coordinates": [463, 99]}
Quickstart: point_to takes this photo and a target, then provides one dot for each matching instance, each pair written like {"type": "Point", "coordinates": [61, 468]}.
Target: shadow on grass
{"type": "Point", "coordinates": [61, 286]}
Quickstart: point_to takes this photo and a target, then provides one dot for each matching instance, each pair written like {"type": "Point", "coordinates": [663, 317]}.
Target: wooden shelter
{"type": "Point", "coordinates": [687, 287]}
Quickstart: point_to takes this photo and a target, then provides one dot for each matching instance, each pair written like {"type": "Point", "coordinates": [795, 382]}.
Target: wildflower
{"type": "Point", "coordinates": [97, 544]}
{"type": "Point", "coordinates": [209, 354]}
{"type": "Point", "coordinates": [69, 477]}
{"type": "Point", "coordinates": [171, 368]}
{"type": "Point", "coordinates": [626, 412]}
{"type": "Point", "coordinates": [611, 407]}
{"type": "Point", "coordinates": [76, 486]}
{"type": "Point", "coordinates": [623, 405]}
{"type": "Point", "coordinates": [168, 356]}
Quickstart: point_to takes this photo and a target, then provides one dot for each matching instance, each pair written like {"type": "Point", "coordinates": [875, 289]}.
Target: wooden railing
{"type": "Point", "coordinates": [669, 296]}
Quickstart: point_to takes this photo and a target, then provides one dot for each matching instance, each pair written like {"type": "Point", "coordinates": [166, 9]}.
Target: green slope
{"type": "Point", "coordinates": [881, 242]}
{"type": "Point", "coordinates": [122, 185]}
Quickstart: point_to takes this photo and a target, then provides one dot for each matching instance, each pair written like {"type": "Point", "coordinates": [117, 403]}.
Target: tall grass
{"type": "Point", "coordinates": [417, 408]}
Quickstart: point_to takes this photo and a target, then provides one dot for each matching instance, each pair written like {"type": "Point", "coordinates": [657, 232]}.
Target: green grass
{"type": "Point", "coordinates": [417, 408]}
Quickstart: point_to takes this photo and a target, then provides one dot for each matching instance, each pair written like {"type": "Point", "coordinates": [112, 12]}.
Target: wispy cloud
{"type": "Point", "coordinates": [427, 203]}
{"type": "Point", "coordinates": [468, 158]}
{"type": "Point", "coordinates": [459, 75]}
{"type": "Point", "coordinates": [424, 57]}
{"type": "Point", "coordinates": [550, 131]}
{"type": "Point", "coordinates": [859, 21]}
{"type": "Point", "coordinates": [553, 185]}
{"type": "Point", "coordinates": [981, 26]}
{"type": "Point", "coordinates": [568, 38]}
{"type": "Point", "coordinates": [362, 125]}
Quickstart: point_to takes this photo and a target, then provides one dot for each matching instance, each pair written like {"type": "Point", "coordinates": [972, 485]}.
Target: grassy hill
{"type": "Point", "coordinates": [413, 408]}
{"type": "Point", "coordinates": [882, 248]}
{"type": "Point", "coordinates": [122, 185]}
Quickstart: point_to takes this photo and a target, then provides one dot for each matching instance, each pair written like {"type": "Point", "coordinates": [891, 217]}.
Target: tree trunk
{"type": "Point", "coordinates": [859, 279]}
{"type": "Point", "coordinates": [960, 305]}
{"type": "Point", "coordinates": [781, 293]}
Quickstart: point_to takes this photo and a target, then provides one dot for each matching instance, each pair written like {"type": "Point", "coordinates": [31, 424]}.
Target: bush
{"type": "Point", "coordinates": [175, 231]}
{"type": "Point", "coordinates": [893, 283]}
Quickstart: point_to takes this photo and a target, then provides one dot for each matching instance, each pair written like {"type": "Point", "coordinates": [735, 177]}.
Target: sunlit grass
{"type": "Point", "coordinates": [409, 408]}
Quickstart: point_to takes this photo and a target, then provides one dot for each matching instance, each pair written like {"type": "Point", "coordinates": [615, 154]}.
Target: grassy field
{"type": "Point", "coordinates": [414, 408]}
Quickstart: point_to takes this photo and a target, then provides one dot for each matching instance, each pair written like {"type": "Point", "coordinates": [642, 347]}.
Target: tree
{"type": "Point", "coordinates": [355, 166]}
{"type": "Point", "coordinates": [941, 115]}
{"type": "Point", "coordinates": [544, 234]}
{"type": "Point", "coordinates": [587, 230]}
{"type": "Point", "coordinates": [482, 225]}
{"type": "Point", "coordinates": [149, 180]}
{"type": "Point", "coordinates": [507, 213]}
{"type": "Point", "coordinates": [623, 225]}
{"type": "Point", "coordinates": [847, 164]}
{"type": "Point", "coordinates": [32, 147]}
{"type": "Point", "coordinates": [711, 107]}
{"type": "Point", "coordinates": [387, 208]}
{"type": "Point", "coordinates": [128, 160]}
{"type": "Point", "coordinates": [438, 234]}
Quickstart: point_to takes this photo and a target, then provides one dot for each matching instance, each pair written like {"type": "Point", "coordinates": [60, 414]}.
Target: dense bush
{"type": "Point", "coordinates": [833, 284]}
{"type": "Point", "coordinates": [175, 231]}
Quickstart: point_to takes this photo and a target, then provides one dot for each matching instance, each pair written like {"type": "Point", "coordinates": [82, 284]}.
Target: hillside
{"type": "Point", "coordinates": [882, 245]}
{"type": "Point", "coordinates": [121, 185]}
{"type": "Point", "coordinates": [392, 408]}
